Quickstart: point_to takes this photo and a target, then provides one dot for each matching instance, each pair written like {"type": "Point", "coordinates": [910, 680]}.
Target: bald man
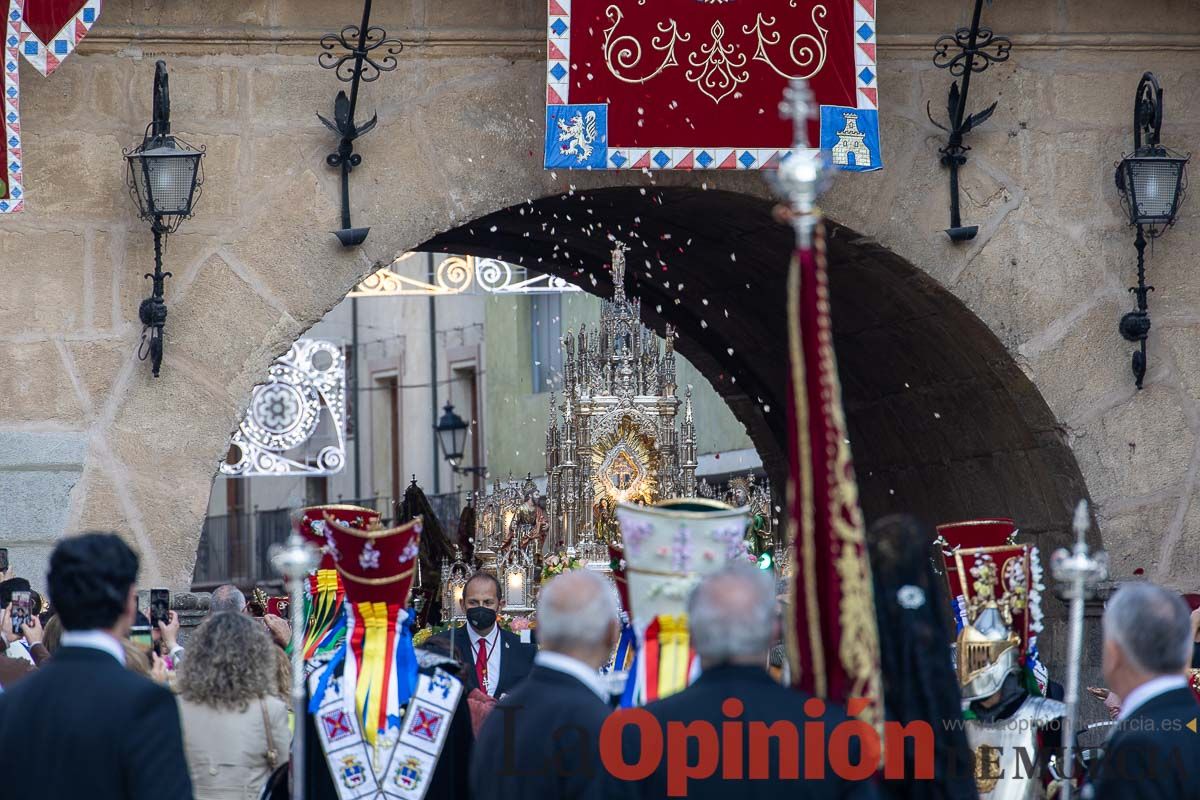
{"type": "Point", "coordinates": [732, 621]}
{"type": "Point", "coordinates": [542, 739]}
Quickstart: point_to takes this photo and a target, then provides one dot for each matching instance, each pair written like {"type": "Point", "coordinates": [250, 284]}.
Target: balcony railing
{"type": "Point", "coordinates": [234, 547]}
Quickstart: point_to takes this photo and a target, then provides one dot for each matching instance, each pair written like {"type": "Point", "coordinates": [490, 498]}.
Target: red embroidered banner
{"type": "Point", "coordinates": [833, 642]}
{"type": "Point", "coordinates": [684, 84]}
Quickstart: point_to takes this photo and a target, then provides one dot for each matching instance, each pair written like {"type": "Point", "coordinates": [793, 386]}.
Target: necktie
{"type": "Point", "coordinates": [481, 659]}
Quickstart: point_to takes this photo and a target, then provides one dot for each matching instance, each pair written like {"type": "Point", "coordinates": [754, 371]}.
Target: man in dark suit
{"type": "Point", "coordinates": [732, 622]}
{"type": "Point", "coordinates": [496, 660]}
{"type": "Point", "coordinates": [1152, 752]}
{"type": "Point", "coordinates": [542, 739]}
{"type": "Point", "coordinates": [83, 725]}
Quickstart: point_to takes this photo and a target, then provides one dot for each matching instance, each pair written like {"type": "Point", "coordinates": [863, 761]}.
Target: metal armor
{"type": "Point", "coordinates": [1006, 751]}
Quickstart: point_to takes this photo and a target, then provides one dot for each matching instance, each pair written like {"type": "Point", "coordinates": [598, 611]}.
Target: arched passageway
{"type": "Point", "coordinates": [943, 422]}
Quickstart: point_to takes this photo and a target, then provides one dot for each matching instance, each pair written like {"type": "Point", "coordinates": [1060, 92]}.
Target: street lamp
{"type": "Point", "coordinates": [451, 432]}
{"type": "Point", "coordinates": [164, 180]}
{"type": "Point", "coordinates": [1151, 180]}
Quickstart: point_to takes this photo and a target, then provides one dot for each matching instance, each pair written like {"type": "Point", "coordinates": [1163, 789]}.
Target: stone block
{"type": "Point", "coordinates": [29, 450]}
{"type": "Point", "coordinates": [285, 96]}
{"type": "Point", "coordinates": [398, 17]}
{"type": "Point", "coordinates": [173, 426]}
{"type": "Point", "coordinates": [46, 104]}
{"type": "Point", "coordinates": [35, 385]}
{"type": "Point", "coordinates": [97, 365]}
{"type": "Point", "coordinates": [100, 291]}
{"type": "Point", "coordinates": [41, 500]}
{"type": "Point", "coordinates": [1104, 16]}
{"type": "Point", "coordinates": [1139, 448]}
{"type": "Point", "coordinates": [481, 14]}
{"type": "Point", "coordinates": [209, 18]}
{"type": "Point", "coordinates": [173, 521]}
{"type": "Point", "coordinates": [289, 247]}
{"type": "Point", "coordinates": [227, 330]}
{"type": "Point", "coordinates": [74, 174]}
{"type": "Point", "coordinates": [1010, 287]}
{"type": "Point", "coordinates": [100, 506]}
{"type": "Point", "coordinates": [1181, 563]}
{"type": "Point", "coordinates": [41, 282]}
{"type": "Point", "coordinates": [1087, 367]}
{"type": "Point", "coordinates": [1133, 538]}
{"type": "Point", "coordinates": [31, 562]}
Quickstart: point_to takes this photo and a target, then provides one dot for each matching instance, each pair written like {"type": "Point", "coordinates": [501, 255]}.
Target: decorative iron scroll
{"type": "Point", "coordinates": [462, 275]}
{"type": "Point", "coordinates": [625, 76]}
{"type": "Point", "coordinates": [285, 413]}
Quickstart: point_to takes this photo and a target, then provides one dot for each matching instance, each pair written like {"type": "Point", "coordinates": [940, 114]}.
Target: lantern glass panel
{"type": "Point", "coordinates": [1153, 184]}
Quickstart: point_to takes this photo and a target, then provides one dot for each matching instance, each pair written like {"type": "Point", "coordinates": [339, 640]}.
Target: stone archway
{"type": "Point", "coordinates": [943, 423]}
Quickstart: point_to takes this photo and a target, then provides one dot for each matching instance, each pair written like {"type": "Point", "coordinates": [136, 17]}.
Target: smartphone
{"type": "Point", "coordinates": [160, 607]}
{"type": "Point", "coordinates": [3, 559]}
{"type": "Point", "coordinates": [22, 609]}
{"type": "Point", "coordinates": [140, 635]}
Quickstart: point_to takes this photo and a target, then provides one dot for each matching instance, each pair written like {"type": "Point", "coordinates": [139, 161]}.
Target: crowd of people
{"type": "Point", "coordinates": [87, 712]}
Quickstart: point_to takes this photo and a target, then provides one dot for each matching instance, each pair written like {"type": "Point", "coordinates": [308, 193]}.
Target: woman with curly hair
{"type": "Point", "coordinates": [235, 727]}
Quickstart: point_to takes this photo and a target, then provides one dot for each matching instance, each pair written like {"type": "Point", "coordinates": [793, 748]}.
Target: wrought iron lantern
{"type": "Point", "coordinates": [452, 435]}
{"type": "Point", "coordinates": [451, 432]}
{"type": "Point", "coordinates": [1152, 181]}
{"type": "Point", "coordinates": [165, 178]}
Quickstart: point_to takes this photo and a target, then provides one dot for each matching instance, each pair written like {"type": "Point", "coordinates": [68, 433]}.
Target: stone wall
{"type": "Point", "coordinates": [89, 439]}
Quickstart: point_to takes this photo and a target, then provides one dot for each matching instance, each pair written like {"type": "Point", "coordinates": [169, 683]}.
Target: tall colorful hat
{"type": "Point", "coordinates": [377, 567]}
{"type": "Point", "coordinates": [323, 609]}
{"type": "Point", "coordinates": [995, 588]}
{"type": "Point", "coordinates": [669, 547]}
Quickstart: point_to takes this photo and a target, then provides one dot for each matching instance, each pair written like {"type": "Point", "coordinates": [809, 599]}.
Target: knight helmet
{"type": "Point", "coordinates": [995, 586]}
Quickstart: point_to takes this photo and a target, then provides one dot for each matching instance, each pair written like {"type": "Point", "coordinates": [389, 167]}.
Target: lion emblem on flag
{"type": "Point", "coordinates": [578, 135]}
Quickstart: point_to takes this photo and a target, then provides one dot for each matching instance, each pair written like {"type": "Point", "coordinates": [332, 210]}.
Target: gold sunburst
{"type": "Point", "coordinates": [624, 465]}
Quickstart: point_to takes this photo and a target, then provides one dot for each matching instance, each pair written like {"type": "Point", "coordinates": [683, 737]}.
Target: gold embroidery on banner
{"type": "Point", "coordinates": [859, 647]}
{"type": "Point", "coordinates": [717, 66]}
{"type": "Point", "coordinates": [802, 539]}
{"type": "Point", "coordinates": [805, 50]}
{"type": "Point", "coordinates": [625, 52]}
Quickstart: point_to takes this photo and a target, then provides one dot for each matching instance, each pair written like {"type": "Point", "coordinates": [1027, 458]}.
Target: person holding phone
{"type": "Point", "coordinates": [113, 734]}
{"type": "Point", "coordinates": [14, 669]}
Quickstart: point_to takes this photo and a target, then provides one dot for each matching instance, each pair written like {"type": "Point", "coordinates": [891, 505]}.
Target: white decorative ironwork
{"type": "Point", "coordinates": [285, 413]}
{"type": "Point", "coordinates": [462, 275]}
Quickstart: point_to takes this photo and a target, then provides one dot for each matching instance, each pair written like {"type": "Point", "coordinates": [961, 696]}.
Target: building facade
{"type": "Point", "coordinates": [981, 378]}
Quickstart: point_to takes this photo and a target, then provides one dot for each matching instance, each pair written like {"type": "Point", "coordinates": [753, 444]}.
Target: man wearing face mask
{"type": "Point", "coordinates": [496, 660]}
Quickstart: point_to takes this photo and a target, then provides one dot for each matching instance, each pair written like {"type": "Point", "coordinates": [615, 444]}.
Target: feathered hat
{"type": "Point", "coordinates": [668, 548]}
{"type": "Point", "coordinates": [377, 567]}
{"type": "Point", "coordinates": [323, 601]}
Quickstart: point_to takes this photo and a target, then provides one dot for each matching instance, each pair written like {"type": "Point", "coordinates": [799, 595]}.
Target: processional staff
{"type": "Point", "coordinates": [294, 560]}
{"type": "Point", "coordinates": [1079, 572]}
{"type": "Point", "coordinates": [832, 641]}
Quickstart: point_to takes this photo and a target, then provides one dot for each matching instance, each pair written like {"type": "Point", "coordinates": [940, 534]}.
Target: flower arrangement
{"type": "Point", "coordinates": [559, 563]}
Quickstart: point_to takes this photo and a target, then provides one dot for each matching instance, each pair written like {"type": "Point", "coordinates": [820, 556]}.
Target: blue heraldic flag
{"type": "Point", "coordinates": [851, 137]}
{"type": "Point", "coordinates": [577, 136]}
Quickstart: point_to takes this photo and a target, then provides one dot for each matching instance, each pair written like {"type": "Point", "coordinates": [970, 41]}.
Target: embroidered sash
{"type": "Point", "coordinates": [401, 764]}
